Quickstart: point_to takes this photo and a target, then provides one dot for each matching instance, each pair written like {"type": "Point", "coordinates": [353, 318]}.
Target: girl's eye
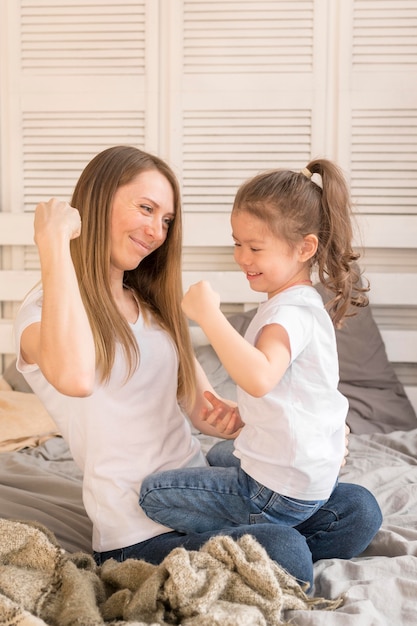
{"type": "Point", "coordinates": [147, 208]}
{"type": "Point", "coordinates": [237, 245]}
{"type": "Point", "coordinates": [255, 249]}
{"type": "Point", "coordinates": [168, 221]}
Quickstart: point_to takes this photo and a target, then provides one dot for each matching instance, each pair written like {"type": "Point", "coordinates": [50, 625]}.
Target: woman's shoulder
{"type": "Point", "coordinates": [30, 310]}
{"type": "Point", "coordinates": [33, 297]}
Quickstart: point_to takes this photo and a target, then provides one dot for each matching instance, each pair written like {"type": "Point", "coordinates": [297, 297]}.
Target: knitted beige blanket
{"type": "Point", "coordinates": [226, 583]}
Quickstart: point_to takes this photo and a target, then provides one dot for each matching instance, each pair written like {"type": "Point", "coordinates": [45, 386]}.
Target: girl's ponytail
{"type": "Point", "coordinates": [335, 257]}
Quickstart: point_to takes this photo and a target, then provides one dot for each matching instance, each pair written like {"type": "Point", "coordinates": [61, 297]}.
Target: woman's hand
{"type": "Point", "coordinates": [210, 414]}
{"type": "Point", "coordinates": [56, 217]}
{"type": "Point", "coordinates": [223, 415]}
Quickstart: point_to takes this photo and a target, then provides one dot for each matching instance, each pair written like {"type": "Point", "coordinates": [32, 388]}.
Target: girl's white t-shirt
{"type": "Point", "coordinates": [122, 432]}
{"type": "Point", "coordinates": [293, 441]}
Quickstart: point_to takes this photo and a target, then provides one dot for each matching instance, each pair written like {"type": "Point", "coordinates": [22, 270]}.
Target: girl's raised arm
{"type": "Point", "coordinates": [255, 369]}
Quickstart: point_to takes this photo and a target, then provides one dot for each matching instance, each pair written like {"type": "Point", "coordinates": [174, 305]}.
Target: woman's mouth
{"type": "Point", "coordinates": [141, 244]}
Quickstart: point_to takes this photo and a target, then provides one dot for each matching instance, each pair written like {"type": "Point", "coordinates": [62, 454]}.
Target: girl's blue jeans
{"type": "Point", "coordinates": [342, 528]}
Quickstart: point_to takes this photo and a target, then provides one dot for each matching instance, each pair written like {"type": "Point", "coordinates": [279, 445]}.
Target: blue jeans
{"type": "Point", "coordinates": [202, 499]}
{"type": "Point", "coordinates": [342, 528]}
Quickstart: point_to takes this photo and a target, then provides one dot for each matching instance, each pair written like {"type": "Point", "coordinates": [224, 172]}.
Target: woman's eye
{"type": "Point", "coordinates": [145, 207]}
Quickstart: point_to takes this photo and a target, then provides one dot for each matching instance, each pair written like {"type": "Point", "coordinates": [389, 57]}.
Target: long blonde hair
{"type": "Point", "coordinates": [293, 206]}
{"type": "Point", "coordinates": [156, 282]}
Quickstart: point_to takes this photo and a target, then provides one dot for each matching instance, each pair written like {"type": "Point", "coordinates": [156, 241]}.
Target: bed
{"type": "Point", "coordinates": [43, 524]}
{"type": "Point", "coordinates": [40, 500]}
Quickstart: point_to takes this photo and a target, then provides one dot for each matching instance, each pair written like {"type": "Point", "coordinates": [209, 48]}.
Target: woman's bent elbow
{"type": "Point", "coordinates": [76, 391]}
{"type": "Point", "coordinates": [78, 386]}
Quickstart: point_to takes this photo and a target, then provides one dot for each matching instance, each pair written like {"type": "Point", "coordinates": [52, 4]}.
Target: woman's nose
{"type": "Point", "coordinates": [155, 229]}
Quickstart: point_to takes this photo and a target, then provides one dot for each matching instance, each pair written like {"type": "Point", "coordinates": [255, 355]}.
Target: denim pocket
{"type": "Point", "coordinates": [269, 506]}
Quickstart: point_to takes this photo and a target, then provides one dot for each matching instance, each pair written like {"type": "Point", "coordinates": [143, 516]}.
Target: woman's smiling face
{"type": "Point", "coordinates": [141, 214]}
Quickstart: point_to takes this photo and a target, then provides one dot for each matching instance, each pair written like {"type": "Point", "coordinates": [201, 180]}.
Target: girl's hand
{"type": "Point", "coordinates": [224, 416]}
{"type": "Point", "coordinates": [54, 218]}
{"type": "Point", "coordinates": [199, 299]}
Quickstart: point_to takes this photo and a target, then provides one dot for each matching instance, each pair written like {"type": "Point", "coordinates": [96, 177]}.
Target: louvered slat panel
{"type": "Point", "coordinates": [248, 93]}
{"type": "Point", "coordinates": [385, 33]}
{"type": "Point", "coordinates": [223, 148]}
{"type": "Point", "coordinates": [248, 36]}
{"type": "Point", "coordinates": [248, 98]}
{"type": "Point", "coordinates": [384, 160]}
{"type": "Point", "coordinates": [94, 37]}
{"type": "Point", "coordinates": [58, 145]}
{"type": "Point", "coordinates": [79, 86]}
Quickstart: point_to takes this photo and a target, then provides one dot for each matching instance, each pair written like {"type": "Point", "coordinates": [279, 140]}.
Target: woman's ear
{"type": "Point", "coordinates": [308, 247]}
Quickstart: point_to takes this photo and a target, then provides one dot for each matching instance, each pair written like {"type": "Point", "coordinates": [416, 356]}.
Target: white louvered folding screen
{"type": "Point", "coordinates": [221, 89]}
{"type": "Point", "coordinates": [245, 94]}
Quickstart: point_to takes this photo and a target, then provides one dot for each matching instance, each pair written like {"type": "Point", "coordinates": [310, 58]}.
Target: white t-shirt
{"type": "Point", "coordinates": [294, 437]}
{"type": "Point", "coordinates": [122, 432]}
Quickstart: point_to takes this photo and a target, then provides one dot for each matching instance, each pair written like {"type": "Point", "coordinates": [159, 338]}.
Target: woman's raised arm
{"type": "Point", "coordinates": [62, 343]}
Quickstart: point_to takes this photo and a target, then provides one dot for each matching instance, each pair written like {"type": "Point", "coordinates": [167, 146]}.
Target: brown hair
{"type": "Point", "coordinates": [156, 282]}
{"type": "Point", "coordinates": [293, 206]}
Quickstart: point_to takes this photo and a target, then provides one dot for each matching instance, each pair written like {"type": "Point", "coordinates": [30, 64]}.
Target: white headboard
{"type": "Point", "coordinates": [386, 242]}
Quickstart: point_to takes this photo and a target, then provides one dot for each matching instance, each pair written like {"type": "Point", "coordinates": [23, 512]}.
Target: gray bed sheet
{"type": "Point", "coordinates": [379, 587]}
{"type": "Point", "coordinates": [43, 484]}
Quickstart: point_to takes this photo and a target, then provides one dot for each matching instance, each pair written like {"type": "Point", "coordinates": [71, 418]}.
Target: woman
{"type": "Point", "coordinates": [104, 344]}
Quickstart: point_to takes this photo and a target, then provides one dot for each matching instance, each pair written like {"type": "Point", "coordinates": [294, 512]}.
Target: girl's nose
{"type": "Point", "coordinates": [241, 257]}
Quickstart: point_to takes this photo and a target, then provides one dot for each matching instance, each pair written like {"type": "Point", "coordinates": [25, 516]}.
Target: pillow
{"type": "Point", "coordinates": [24, 421]}
{"type": "Point", "coordinates": [377, 400]}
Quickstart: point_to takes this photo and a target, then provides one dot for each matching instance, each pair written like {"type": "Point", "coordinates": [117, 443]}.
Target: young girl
{"type": "Point", "coordinates": [286, 367]}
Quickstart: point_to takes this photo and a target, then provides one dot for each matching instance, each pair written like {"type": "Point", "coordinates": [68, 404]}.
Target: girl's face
{"type": "Point", "coordinates": [270, 264]}
{"type": "Point", "coordinates": [141, 214]}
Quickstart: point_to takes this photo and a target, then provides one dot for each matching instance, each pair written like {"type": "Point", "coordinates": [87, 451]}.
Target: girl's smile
{"type": "Point", "coordinates": [269, 262]}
